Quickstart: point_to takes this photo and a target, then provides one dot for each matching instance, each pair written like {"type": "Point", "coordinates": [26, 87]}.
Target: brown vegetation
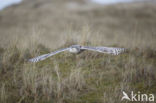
{"type": "Point", "coordinates": [37, 27]}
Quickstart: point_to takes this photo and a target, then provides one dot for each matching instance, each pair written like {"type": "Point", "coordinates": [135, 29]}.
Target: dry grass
{"type": "Point", "coordinates": [87, 77]}
{"type": "Point", "coordinates": [38, 27]}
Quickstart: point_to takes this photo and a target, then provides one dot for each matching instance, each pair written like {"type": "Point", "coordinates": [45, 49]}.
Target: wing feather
{"type": "Point", "coordinates": [108, 50]}
{"type": "Point", "coordinates": [44, 56]}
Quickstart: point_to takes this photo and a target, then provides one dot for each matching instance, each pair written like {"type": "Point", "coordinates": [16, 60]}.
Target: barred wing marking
{"type": "Point", "coordinates": [108, 50]}
{"type": "Point", "coordinates": [44, 56]}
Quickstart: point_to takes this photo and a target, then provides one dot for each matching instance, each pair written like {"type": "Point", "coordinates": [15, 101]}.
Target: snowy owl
{"type": "Point", "coordinates": [78, 49]}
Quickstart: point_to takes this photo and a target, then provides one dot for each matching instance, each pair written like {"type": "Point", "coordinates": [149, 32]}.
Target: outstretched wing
{"type": "Point", "coordinates": [108, 50]}
{"type": "Point", "coordinates": [44, 56]}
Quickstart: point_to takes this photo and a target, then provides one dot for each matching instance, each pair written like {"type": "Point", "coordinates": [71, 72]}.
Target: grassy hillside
{"type": "Point", "coordinates": [37, 27]}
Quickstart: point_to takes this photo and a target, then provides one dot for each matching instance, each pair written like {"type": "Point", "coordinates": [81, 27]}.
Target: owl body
{"type": "Point", "coordinates": [75, 49]}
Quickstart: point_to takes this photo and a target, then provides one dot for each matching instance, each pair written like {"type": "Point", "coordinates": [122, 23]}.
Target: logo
{"type": "Point", "coordinates": [138, 97]}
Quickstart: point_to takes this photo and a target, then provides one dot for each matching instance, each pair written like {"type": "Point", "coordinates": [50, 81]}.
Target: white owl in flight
{"type": "Point", "coordinates": [78, 48]}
